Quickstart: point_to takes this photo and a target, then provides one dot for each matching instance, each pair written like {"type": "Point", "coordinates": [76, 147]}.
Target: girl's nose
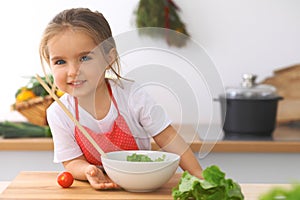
{"type": "Point", "coordinates": [74, 69]}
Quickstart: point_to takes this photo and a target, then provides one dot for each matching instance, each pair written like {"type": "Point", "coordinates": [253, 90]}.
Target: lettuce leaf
{"type": "Point", "coordinates": [214, 186]}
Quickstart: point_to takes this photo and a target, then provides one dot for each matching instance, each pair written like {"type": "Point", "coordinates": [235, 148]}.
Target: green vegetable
{"type": "Point", "coordinates": [144, 158]}
{"type": "Point", "coordinates": [214, 186]}
{"type": "Point", "coordinates": [278, 193]}
{"type": "Point", "coordinates": [23, 130]}
{"type": "Point", "coordinates": [35, 86]}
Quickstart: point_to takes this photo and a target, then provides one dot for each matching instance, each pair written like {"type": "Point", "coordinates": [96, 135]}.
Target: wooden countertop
{"type": "Point", "coordinates": [285, 140]}
{"type": "Point", "coordinates": [42, 185]}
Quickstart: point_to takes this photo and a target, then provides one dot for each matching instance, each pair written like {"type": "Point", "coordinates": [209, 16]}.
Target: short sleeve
{"type": "Point", "coordinates": [151, 115]}
{"type": "Point", "coordinates": [62, 129]}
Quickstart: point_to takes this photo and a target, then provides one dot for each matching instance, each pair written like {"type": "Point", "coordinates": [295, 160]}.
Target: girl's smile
{"type": "Point", "coordinates": [76, 84]}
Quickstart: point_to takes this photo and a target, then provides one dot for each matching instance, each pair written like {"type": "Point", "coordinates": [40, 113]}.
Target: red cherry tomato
{"type": "Point", "coordinates": [65, 179]}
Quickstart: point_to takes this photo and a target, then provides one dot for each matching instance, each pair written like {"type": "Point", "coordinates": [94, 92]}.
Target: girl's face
{"type": "Point", "coordinates": [76, 62]}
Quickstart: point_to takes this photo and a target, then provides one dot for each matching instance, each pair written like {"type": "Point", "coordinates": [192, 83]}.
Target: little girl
{"type": "Point", "coordinates": [78, 46]}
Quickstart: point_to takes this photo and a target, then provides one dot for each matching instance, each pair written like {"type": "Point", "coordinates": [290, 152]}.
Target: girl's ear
{"type": "Point", "coordinates": [112, 56]}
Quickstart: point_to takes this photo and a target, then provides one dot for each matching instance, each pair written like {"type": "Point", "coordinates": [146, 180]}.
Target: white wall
{"type": "Point", "coordinates": [255, 36]}
{"type": "Point", "coordinates": [246, 36]}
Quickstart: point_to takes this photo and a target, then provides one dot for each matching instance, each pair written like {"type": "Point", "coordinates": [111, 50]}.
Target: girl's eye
{"type": "Point", "coordinates": [60, 62]}
{"type": "Point", "coordinates": [85, 58]}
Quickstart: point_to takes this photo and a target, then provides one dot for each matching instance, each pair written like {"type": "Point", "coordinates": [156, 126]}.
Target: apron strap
{"type": "Point", "coordinates": [112, 96]}
{"type": "Point", "coordinates": [76, 108]}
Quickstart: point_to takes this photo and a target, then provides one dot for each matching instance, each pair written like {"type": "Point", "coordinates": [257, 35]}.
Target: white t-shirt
{"type": "Point", "coordinates": [143, 115]}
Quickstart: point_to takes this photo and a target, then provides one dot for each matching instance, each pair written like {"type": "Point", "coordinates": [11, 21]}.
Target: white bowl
{"type": "Point", "coordinates": [140, 176]}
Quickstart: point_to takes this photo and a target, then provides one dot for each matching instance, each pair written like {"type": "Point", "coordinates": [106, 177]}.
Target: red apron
{"type": "Point", "coordinates": [119, 138]}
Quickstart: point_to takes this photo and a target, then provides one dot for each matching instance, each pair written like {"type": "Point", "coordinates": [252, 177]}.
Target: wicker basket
{"type": "Point", "coordinates": [34, 109]}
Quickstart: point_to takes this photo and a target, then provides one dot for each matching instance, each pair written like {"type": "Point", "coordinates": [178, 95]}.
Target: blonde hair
{"type": "Point", "coordinates": [83, 19]}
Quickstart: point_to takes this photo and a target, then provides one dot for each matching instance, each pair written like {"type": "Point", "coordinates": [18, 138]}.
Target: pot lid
{"type": "Point", "coordinates": [249, 89]}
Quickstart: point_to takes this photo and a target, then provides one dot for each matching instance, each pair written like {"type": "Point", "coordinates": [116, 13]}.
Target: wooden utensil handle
{"type": "Point", "coordinates": [69, 114]}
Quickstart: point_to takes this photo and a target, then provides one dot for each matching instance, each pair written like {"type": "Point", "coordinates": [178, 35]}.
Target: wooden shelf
{"type": "Point", "coordinates": [28, 144]}
{"type": "Point", "coordinates": [219, 146]}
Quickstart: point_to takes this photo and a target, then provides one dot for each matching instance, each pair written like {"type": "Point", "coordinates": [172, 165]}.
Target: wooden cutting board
{"type": "Point", "coordinates": [42, 185]}
{"type": "Point", "coordinates": [286, 80]}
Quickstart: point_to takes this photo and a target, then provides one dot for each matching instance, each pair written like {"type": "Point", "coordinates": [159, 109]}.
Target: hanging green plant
{"type": "Point", "coordinates": [162, 14]}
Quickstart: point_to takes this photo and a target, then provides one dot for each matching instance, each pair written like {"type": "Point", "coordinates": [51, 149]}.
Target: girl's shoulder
{"type": "Point", "coordinates": [56, 116]}
{"type": "Point", "coordinates": [123, 85]}
{"type": "Point", "coordinates": [66, 99]}
{"type": "Point", "coordinates": [130, 91]}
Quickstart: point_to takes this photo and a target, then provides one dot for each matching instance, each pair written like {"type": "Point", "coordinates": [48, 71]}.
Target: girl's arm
{"type": "Point", "coordinates": [82, 170]}
{"type": "Point", "coordinates": [77, 167]}
{"type": "Point", "coordinates": [169, 140]}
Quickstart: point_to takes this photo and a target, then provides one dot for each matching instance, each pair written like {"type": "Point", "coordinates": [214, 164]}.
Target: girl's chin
{"type": "Point", "coordinates": [82, 93]}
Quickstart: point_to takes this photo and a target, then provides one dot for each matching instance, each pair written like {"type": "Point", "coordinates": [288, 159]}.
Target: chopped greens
{"type": "Point", "coordinates": [144, 158]}
{"type": "Point", "coordinates": [214, 186]}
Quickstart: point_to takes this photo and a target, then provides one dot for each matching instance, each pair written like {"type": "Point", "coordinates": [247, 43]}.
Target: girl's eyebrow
{"type": "Point", "coordinates": [56, 58]}
{"type": "Point", "coordinates": [80, 54]}
{"type": "Point", "coordinates": [87, 53]}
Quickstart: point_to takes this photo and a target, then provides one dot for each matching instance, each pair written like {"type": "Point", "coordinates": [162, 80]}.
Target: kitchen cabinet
{"type": "Point", "coordinates": [248, 161]}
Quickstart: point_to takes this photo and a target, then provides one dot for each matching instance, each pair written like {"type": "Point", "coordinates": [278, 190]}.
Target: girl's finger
{"type": "Point", "coordinates": [105, 186]}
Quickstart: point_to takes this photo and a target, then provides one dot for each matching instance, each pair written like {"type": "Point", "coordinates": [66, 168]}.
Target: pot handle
{"type": "Point", "coordinates": [279, 98]}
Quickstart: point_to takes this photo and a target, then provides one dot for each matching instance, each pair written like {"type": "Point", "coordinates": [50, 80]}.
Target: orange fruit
{"type": "Point", "coordinates": [24, 95]}
{"type": "Point", "coordinates": [59, 93]}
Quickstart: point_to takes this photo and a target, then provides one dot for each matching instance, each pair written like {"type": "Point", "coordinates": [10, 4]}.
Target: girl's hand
{"type": "Point", "coordinates": [98, 180]}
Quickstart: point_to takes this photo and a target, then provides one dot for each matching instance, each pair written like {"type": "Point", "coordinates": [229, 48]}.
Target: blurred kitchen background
{"type": "Point", "coordinates": [240, 36]}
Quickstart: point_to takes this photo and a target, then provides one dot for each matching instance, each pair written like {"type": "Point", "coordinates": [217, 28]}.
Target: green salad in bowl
{"type": "Point", "coordinates": [144, 158]}
{"type": "Point", "coordinates": [128, 168]}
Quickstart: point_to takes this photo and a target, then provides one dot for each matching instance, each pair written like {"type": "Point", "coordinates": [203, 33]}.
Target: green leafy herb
{"type": "Point", "coordinates": [143, 158]}
{"type": "Point", "coordinates": [279, 193]}
{"type": "Point", "coordinates": [214, 186]}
